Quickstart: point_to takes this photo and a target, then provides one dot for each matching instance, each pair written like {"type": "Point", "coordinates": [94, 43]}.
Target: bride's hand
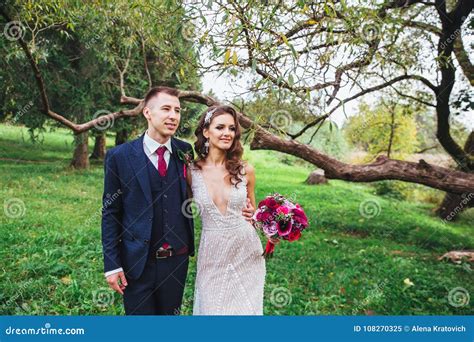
{"type": "Point", "coordinates": [248, 211]}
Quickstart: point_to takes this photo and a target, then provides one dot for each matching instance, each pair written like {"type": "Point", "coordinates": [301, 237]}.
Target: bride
{"type": "Point", "coordinates": [230, 266]}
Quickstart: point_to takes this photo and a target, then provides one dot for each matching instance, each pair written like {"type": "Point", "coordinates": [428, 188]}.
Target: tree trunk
{"type": "Point", "coordinates": [99, 147]}
{"type": "Point", "coordinates": [121, 137]}
{"type": "Point", "coordinates": [80, 159]}
{"type": "Point", "coordinates": [454, 204]}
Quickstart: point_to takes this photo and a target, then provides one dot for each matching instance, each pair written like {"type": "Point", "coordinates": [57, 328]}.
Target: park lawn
{"type": "Point", "coordinates": [345, 263]}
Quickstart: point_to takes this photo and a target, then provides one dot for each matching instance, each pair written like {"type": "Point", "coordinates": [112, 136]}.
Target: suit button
{"type": "Point", "coordinates": [146, 241]}
{"type": "Point", "coordinates": [165, 196]}
{"type": "Point", "coordinates": [166, 211]}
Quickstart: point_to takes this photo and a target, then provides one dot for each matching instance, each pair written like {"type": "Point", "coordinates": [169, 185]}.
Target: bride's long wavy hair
{"type": "Point", "coordinates": [233, 163]}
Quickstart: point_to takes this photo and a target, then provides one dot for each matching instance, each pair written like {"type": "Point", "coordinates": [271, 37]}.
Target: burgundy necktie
{"type": "Point", "coordinates": [161, 160]}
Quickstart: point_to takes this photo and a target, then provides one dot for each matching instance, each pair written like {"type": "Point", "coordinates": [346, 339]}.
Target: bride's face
{"type": "Point", "coordinates": [221, 132]}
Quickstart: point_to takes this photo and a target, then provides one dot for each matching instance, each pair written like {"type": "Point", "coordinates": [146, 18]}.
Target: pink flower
{"type": "Point", "coordinates": [289, 204]}
{"type": "Point", "coordinates": [300, 217]}
{"type": "Point", "coordinates": [270, 229]}
{"type": "Point", "coordinates": [283, 210]}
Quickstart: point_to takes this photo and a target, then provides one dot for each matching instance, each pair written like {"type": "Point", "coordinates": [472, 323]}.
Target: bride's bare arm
{"type": "Point", "coordinates": [250, 174]}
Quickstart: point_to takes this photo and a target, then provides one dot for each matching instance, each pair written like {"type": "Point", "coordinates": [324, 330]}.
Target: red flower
{"type": "Point", "coordinates": [265, 216]}
{"type": "Point", "coordinates": [271, 203]}
{"type": "Point", "coordinates": [269, 249]}
{"type": "Point", "coordinates": [262, 203]}
{"type": "Point", "coordinates": [294, 235]}
{"type": "Point", "coordinates": [300, 217]}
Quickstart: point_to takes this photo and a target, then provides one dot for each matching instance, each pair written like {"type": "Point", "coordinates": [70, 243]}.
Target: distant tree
{"type": "Point", "coordinates": [388, 129]}
{"type": "Point", "coordinates": [73, 59]}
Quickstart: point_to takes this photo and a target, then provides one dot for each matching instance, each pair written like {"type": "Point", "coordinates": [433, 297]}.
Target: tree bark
{"type": "Point", "coordinates": [463, 59]}
{"type": "Point", "coordinates": [121, 137]}
{"type": "Point", "coordinates": [99, 147]}
{"type": "Point", "coordinates": [454, 204]}
{"type": "Point", "coordinates": [80, 159]}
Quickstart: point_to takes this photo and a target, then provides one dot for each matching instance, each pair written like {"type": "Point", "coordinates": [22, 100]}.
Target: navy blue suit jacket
{"type": "Point", "coordinates": [127, 211]}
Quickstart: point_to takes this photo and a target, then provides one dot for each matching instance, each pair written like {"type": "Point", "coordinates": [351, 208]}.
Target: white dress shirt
{"type": "Point", "coordinates": [150, 146]}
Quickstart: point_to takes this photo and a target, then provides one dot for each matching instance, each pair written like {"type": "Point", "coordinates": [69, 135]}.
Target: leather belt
{"type": "Point", "coordinates": [166, 253]}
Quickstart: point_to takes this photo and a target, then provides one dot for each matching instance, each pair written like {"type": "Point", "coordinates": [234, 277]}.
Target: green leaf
{"type": "Point", "coordinates": [254, 64]}
{"type": "Point", "coordinates": [291, 81]}
{"type": "Point", "coordinates": [234, 58]}
{"type": "Point", "coordinates": [293, 51]}
{"type": "Point", "coordinates": [227, 57]}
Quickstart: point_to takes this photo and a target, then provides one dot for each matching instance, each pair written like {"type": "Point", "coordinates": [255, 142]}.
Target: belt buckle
{"type": "Point", "coordinates": [161, 249]}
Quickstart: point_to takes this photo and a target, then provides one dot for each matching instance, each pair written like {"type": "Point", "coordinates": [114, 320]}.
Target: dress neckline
{"type": "Point", "coordinates": [208, 195]}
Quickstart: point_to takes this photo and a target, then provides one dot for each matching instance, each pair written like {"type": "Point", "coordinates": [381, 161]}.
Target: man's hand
{"type": "Point", "coordinates": [248, 211]}
{"type": "Point", "coordinates": [117, 282]}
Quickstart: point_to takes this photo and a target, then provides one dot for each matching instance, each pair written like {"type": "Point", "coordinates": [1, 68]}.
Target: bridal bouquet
{"type": "Point", "coordinates": [279, 218]}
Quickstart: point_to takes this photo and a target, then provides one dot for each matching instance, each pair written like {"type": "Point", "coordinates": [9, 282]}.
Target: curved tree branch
{"type": "Point", "coordinates": [382, 169]}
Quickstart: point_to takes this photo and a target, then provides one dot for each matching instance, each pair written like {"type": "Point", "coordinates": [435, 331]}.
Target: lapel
{"type": "Point", "coordinates": [179, 167]}
{"type": "Point", "coordinates": [138, 161]}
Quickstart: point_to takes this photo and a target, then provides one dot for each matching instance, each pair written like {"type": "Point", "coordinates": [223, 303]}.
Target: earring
{"type": "Point", "coordinates": [206, 146]}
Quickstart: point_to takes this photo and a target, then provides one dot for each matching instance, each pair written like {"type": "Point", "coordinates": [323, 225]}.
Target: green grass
{"type": "Point", "coordinates": [345, 264]}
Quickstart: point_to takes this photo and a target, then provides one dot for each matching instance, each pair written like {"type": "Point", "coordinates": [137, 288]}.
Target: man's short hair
{"type": "Point", "coordinates": [157, 90]}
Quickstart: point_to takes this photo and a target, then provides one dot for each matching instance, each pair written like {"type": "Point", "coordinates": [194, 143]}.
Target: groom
{"type": "Point", "coordinates": [147, 237]}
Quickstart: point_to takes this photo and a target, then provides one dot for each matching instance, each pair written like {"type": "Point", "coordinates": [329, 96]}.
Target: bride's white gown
{"type": "Point", "coordinates": [230, 266]}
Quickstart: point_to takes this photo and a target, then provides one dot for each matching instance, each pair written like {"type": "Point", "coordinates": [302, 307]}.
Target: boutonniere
{"type": "Point", "coordinates": [186, 158]}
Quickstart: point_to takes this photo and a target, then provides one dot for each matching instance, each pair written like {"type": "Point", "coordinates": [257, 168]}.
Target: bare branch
{"type": "Point", "coordinates": [122, 73]}
{"type": "Point", "coordinates": [366, 91]}
{"type": "Point", "coordinates": [145, 63]}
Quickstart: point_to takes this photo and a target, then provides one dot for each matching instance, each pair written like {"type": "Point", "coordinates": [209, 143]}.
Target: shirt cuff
{"type": "Point", "coordinates": [117, 270]}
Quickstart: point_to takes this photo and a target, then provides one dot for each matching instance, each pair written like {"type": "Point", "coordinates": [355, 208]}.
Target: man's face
{"type": "Point", "coordinates": [163, 113]}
